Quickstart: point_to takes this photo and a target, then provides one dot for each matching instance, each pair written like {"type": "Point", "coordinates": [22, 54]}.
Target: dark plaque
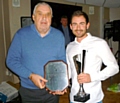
{"type": "Point", "coordinates": [81, 96]}
{"type": "Point", "coordinates": [56, 73]}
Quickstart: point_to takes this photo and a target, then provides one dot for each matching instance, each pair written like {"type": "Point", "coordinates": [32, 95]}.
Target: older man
{"type": "Point", "coordinates": [32, 47]}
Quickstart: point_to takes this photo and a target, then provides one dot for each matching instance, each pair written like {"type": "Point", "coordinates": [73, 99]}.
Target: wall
{"type": "Point", "coordinates": [16, 13]}
{"type": "Point", "coordinates": [2, 50]}
{"type": "Point", "coordinates": [4, 36]}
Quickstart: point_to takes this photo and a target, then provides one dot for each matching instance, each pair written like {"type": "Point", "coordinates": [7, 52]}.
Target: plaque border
{"type": "Point", "coordinates": [57, 61]}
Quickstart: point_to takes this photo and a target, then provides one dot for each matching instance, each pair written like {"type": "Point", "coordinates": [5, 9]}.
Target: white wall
{"type": "Point", "coordinates": [114, 14]}
{"type": "Point", "coordinates": [16, 12]}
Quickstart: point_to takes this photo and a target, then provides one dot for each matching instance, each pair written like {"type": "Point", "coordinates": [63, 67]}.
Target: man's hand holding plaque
{"type": "Point", "coordinates": [56, 74]}
{"type": "Point", "coordinates": [58, 92]}
{"type": "Point", "coordinates": [38, 80]}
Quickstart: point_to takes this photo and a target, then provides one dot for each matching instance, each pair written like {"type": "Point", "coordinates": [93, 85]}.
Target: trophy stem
{"type": "Point", "coordinates": [81, 96]}
{"type": "Point", "coordinates": [81, 91]}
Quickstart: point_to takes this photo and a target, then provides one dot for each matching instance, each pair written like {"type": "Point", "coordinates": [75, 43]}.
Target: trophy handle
{"type": "Point", "coordinates": [83, 60]}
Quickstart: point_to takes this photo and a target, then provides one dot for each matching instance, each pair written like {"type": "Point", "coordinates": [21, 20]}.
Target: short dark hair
{"type": "Point", "coordinates": [64, 16]}
{"type": "Point", "coordinates": [80, 13]}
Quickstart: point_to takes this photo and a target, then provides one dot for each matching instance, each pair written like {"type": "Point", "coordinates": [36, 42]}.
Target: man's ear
{"type": "Point", "coordinates": [70, 26]}
{"type": "Point", "coordinates": [88, 25]}
{"type": "Point", "coordinates": [33, 17]}
{"type": "Point", "coordinates": [61, 21]}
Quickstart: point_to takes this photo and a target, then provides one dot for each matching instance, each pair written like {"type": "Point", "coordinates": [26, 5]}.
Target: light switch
{"type": "Point", "coordinates": [16, 3]}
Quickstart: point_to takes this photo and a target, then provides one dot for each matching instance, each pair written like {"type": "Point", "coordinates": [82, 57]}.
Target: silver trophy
{"type": "Point", "coordinates": [56, 72]}
{"type": "Point", "coordinates": [81, 96]}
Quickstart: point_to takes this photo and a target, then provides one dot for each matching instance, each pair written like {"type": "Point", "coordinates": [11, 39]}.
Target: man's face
{"type": "Point", "coordinates": [79, 26]}
{"type": "Point", "coordinates": [64, 21]}
{"type": "Point", "coordinates": [42, 18]}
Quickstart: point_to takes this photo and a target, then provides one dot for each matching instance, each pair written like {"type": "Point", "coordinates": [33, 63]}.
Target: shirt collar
{"type": "Point", "coordinates": [34, 28]}
{"type": "Point", "coordinates": [84, 40]}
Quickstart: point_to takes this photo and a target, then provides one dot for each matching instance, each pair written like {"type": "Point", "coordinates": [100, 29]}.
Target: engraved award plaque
{"type": "Point", "coordinates": [56, 73]}
{"type": "Point", "coordinates": [81, 96]}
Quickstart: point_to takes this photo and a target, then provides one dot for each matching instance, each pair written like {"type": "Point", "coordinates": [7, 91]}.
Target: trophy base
{"type": "Point", "coordinates": [82, 99]}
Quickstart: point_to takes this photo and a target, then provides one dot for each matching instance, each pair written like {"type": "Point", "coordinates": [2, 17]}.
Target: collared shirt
{"type": "Point", "coordinates": [97, 52]}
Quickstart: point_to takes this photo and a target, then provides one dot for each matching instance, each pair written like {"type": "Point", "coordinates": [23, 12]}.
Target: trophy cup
{"type": "Point", "coordinates": [81, 96]}
{"type": "Point", "coordinates": [56, 72]}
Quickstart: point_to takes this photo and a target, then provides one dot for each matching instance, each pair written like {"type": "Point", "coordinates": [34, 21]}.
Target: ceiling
{"type": "Point", "coordinates": [102, 3]}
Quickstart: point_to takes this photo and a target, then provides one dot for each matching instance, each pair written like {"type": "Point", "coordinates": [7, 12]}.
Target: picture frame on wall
{"type": "Point", "coordinates": [26, 21]}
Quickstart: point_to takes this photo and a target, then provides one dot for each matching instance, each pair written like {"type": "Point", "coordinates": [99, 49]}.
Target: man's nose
{"type": "Point", "coordinates": [44, 16]}
{"type": "Point", "coordinates": [78, 26]}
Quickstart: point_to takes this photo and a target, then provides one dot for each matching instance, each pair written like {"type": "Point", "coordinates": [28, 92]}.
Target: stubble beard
{"type": "Point", "coordinates": [80, 34]}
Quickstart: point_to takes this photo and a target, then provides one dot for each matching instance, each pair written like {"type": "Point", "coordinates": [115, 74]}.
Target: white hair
{"type": "Point", "coordinates": [43, 3]}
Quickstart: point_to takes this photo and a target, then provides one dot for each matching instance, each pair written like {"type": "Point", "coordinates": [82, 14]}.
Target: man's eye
{"type": "Point", "coordinates": [82, 23]}
{"type": "Point", "coordinates": [48, 14]}
{"type": "Point", "coordinates": [39, 13]}
{"type": "Point", "coordinates": [74, 24]}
